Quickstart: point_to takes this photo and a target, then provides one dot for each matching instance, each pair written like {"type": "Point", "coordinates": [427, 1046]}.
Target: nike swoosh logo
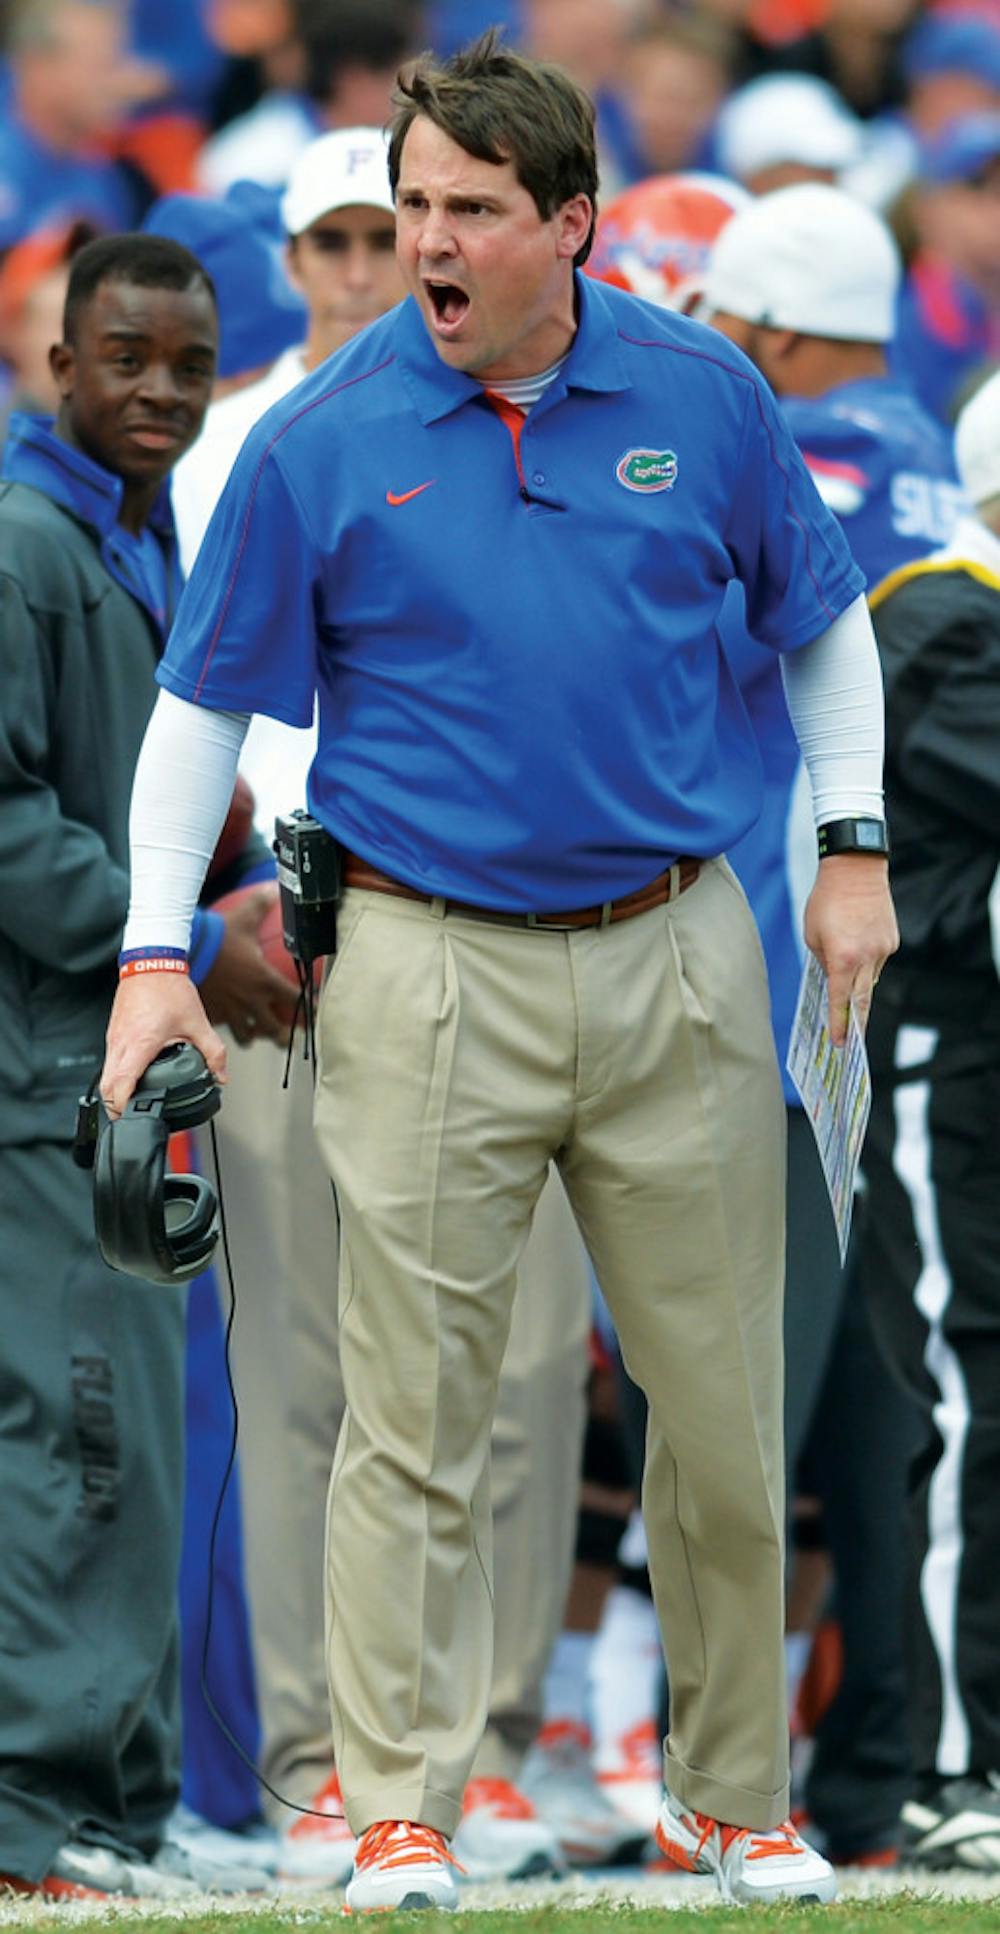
{"type": "Point", "coordinates": [404, 496]}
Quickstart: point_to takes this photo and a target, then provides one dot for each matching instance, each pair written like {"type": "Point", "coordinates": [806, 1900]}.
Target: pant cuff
{"type": "Point", "coordinates": [735, 1806]}
{"type": "Point", "coordinates": [421, 1805]}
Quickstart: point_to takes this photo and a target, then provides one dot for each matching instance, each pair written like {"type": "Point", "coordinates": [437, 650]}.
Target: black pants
{"type": "Point", "coordinates": [91, 1482]}
{"type": "Point", "coordinates": [856, 1458]}
{"type": "Point", "coordinates": [931, 1275]}
{"type": "Point", "coordinates": [851, 1431]}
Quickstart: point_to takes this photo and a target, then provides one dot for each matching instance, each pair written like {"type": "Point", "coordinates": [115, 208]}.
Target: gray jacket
{"type": "Point", "coordinates": [78, 652]}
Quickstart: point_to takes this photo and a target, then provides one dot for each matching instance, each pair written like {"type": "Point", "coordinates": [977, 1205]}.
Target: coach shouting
{"type": "Point", "coordinates": [495, 532]}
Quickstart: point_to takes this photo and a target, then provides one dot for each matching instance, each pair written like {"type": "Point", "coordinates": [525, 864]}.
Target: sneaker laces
{"type": "Point", "coordinates": [777, 1841]}
{"type": "Point", "coordinates": [502, 1798]}
{"type": "Point", "coordinates": [402, 1843]}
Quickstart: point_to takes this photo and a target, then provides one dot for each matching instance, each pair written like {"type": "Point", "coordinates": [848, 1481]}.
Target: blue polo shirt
{"type": "Point", "coordinates": [522, 698]}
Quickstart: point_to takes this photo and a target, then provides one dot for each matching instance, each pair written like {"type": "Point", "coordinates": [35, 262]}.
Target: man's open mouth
{"type": "Point", "coordinates": [448, 301]}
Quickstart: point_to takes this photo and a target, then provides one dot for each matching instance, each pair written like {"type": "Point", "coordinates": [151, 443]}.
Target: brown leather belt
{"type": "Point", "coordinates": [666, 886]}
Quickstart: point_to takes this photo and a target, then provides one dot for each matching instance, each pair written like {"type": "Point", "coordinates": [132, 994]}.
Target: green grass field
{"type": "Point", "coordinates": [900, 1913]}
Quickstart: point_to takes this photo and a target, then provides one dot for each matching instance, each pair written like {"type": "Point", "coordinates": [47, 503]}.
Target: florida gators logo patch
{"type": "Point", "coordinates": [647, 470]}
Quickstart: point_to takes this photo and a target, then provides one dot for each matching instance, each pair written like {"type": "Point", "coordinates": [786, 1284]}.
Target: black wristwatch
{"type": "Point", "coordinates": [853, 836]}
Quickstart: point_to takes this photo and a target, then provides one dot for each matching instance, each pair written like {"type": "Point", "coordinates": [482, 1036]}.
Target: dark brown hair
{"type": "Point", "coordinates": [501, 106]}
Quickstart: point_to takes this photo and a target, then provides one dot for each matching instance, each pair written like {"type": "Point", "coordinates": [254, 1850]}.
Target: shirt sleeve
{"type": "Point", "coordinates": [244, 638]}
{"type": "Point", "coordinates": [788, 549]}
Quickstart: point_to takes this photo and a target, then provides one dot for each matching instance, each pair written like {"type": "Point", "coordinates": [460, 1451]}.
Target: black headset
{"type": "Point", "coordinates": [150, 1224]}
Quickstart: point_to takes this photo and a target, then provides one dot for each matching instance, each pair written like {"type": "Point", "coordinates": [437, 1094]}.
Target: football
{"type": "Point", "coordinates": [270, 935]}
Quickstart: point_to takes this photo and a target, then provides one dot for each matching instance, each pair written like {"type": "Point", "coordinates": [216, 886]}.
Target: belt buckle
{"type": "Point", "coordinates": [572, 926]}
{"type": "Point", "coordinates": [539, 924]}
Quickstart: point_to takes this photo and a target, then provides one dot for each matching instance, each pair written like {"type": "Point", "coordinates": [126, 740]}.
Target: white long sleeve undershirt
{"type": "Point", "coordinates": [833, 687]}
{"type": "Point", "coordinates": [187, 769]}
{"type": "Point", "coordinates": [183, 784]}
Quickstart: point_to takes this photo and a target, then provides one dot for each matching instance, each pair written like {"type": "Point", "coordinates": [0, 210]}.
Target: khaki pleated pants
{"type": "Point", "coordinates": [283, 1236]}
{"type": "Point", "coordinates": [457, 1057]}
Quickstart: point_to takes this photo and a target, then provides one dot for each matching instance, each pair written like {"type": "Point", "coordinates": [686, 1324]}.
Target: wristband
{"type": "Point", "coordinates": [152, 967]}
{"type": "Point", "coordinates": [853, 836]}
{"type": "Point", "coordinates": [152, 960]}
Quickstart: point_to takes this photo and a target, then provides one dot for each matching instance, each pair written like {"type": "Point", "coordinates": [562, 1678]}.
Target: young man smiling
{"type": "Point", "coordinates": [495, 535]}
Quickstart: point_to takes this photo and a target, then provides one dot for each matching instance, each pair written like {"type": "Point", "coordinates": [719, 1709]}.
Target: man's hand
{"type": "Point", "coordinates": [150, 1011]}
{"type": "Point", "coordinates": [241, 990]}
{"type": "Point", "coordinates": [850, 926]}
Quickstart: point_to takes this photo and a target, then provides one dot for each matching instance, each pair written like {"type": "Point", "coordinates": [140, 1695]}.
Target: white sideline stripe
{"type": "Point", "coordinates": [940, 1572]}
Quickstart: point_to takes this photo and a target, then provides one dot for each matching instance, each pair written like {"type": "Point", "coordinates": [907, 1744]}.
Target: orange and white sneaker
{"type": "Point", "coordinates": [559, 1780]}
{"type": "Point", "coordinates": [318, 1848]}
{"type": "Point", "coordinates": [401, 1865]}
{"type": "Point", "coordinates": [500, 1836]}
{"type": "Point", "coordinates": [630, 1773]}
{"type": "Point", "coordinates": [747, 1866]}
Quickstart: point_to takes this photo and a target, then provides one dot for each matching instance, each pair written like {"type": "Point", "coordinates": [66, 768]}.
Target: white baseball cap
{"type": "Point", "coordinates": [977, 442]}
{"type": "Point", "coordinates": [808, 258]}
{"type": "Point", "coordinates": [346, 168]}
{"type": "Point", "coordinates": [786, 118]}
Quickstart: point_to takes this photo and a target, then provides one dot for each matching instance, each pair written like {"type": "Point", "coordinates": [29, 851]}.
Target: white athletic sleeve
{"type": "Point", "coordinates": [183, 784]}
{"type": "Point", "coordinates": [833, 687]}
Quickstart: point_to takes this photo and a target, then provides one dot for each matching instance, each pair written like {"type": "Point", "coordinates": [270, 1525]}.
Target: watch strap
{"type": "Point", "coordinates": [853, 836]}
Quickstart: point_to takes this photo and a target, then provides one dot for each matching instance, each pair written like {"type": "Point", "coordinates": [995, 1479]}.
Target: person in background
{"type": "Point", "coordinates": [931, 1255]}
{"type": "Point", "coordinates": [855, 47]}
{"type": "Point", "coordinates": [348, 54]}
{"type": "Point", "coordinates": [71, 83]}
{"type": "Point", "coordinates": [677, 69]}
{"type": "Point", "coordinates": [338, 256]}
{"type": "Point", "coordinates": [91, 1391]}
{"type": "Point", "coordinates": [951, 67]}
{"type": "Point", "coordinates": [783, 128]}
{"type": "Point", "coordinates": [261, 316]}
{"type": "Point", "coordinates": [948, 327]}
{"type": "Point", "coordinates": [33, 279]}
{"type": "Point", "coordinates": [260, 50]}
{"type": "Point", "coordinates": [532, 962]}
{"type": "Point", "coordinates": [589, 39]}
{"type": "Point", "coordinates": [655, 238]}
{"type": "Point", "coordinates": [804, 281]}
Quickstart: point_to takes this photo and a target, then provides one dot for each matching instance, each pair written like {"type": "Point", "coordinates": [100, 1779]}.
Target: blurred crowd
{"type": "Point", "coordinates": [109, 104]}
{"type": "Point", "coordinates": [201, 121]}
